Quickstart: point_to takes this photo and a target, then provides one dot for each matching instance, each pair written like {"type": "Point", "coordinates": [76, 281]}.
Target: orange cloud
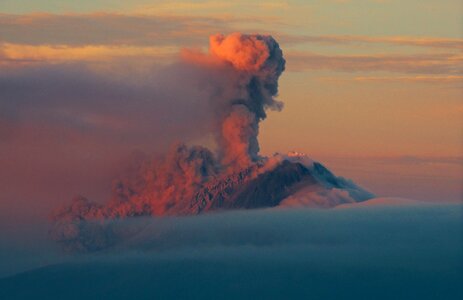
{"type": "Point", "coordinates": [209, 7]}
{"type": "Point", "coordinates": [247, 54]}
{"type": "Point", "coordinates": [439, 63]}
{"type": "Point", "coordinates": [109, 29]}
{"type": "Point", "coordinates": [433, 42]}
{"type": "Point", "coordinates": [24, 54]}
{"type": "Point", "coordinates": [420, 78]}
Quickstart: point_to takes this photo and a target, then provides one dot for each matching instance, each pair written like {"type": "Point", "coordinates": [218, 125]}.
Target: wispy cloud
{"type": "Point", "coordinates": [17, 54]}
{"type": "Point", "coordinates": [109, 29]}
{"type": "Point", "coordinates": [411, 79]}
{"type": "Point", "coordinates": [143, 28]}
{"type": "Point", "coordinates": [428, 160]}
{"type": "Point", "coordinates": [439, 63]}
{"type": "Point", "coordinates": [425, 79]}
{"type": "Point", "coordinates": [432, 42]}
{"type": "Point", "coordinates": [209, 7]}
{"type": "Point", "coordinates": [99, 37]}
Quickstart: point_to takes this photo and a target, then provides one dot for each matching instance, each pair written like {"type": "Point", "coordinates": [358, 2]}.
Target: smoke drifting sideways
{"type": "Point", "coordinates": [189, 180]}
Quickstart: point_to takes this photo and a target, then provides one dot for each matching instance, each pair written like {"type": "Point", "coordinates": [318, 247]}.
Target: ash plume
{"type": "Point", "coordinates": [257, 62]}
{"type": "Point", "coordinates": [242, 73]}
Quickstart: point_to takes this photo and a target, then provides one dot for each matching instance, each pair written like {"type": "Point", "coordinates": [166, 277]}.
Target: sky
{"type": "Point", "coordinates": [372, 89]}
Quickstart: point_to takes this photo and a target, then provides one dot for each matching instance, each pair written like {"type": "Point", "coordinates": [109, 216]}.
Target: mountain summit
{"type": "Point", "coordinates": [292, 180]}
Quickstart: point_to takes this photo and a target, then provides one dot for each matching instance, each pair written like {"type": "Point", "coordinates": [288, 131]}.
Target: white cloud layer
{"type": "Point", "coordinates": [382, 253]}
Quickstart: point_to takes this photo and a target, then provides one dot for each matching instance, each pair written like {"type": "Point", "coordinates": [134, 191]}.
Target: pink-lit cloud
{"type": "Point", "coordinates": [429, 42]}
{"type": "Point", "coordinates": [438, 63]}
{"type": "Point", "coordinates": [110, 29]}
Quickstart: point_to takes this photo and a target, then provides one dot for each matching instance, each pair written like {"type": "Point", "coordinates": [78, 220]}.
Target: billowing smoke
{"type": "Point", "coordinates": [169, 185]}
{"type": "Point", "coordinates": [258, 62]}
{"type": "Point", "coordinates": [242, 71]}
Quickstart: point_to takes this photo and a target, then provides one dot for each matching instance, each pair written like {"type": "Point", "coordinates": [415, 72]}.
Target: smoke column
{"type": "Point", "coordinates": [249, 67]}
{"type": "Point", "coordinates": [258, 63]}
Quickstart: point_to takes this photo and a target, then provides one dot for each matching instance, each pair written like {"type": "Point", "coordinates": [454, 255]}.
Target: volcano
{"type": "Point", "coordinates": [283, 181]}
{"type": "Point", "coordinates": [290, 178]}
{"type": "Point", "coordinates": [241, 73]}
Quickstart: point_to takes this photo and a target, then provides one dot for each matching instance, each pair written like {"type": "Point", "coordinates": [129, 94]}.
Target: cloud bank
{"type": "Point", "coordinates": [381, 252]}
